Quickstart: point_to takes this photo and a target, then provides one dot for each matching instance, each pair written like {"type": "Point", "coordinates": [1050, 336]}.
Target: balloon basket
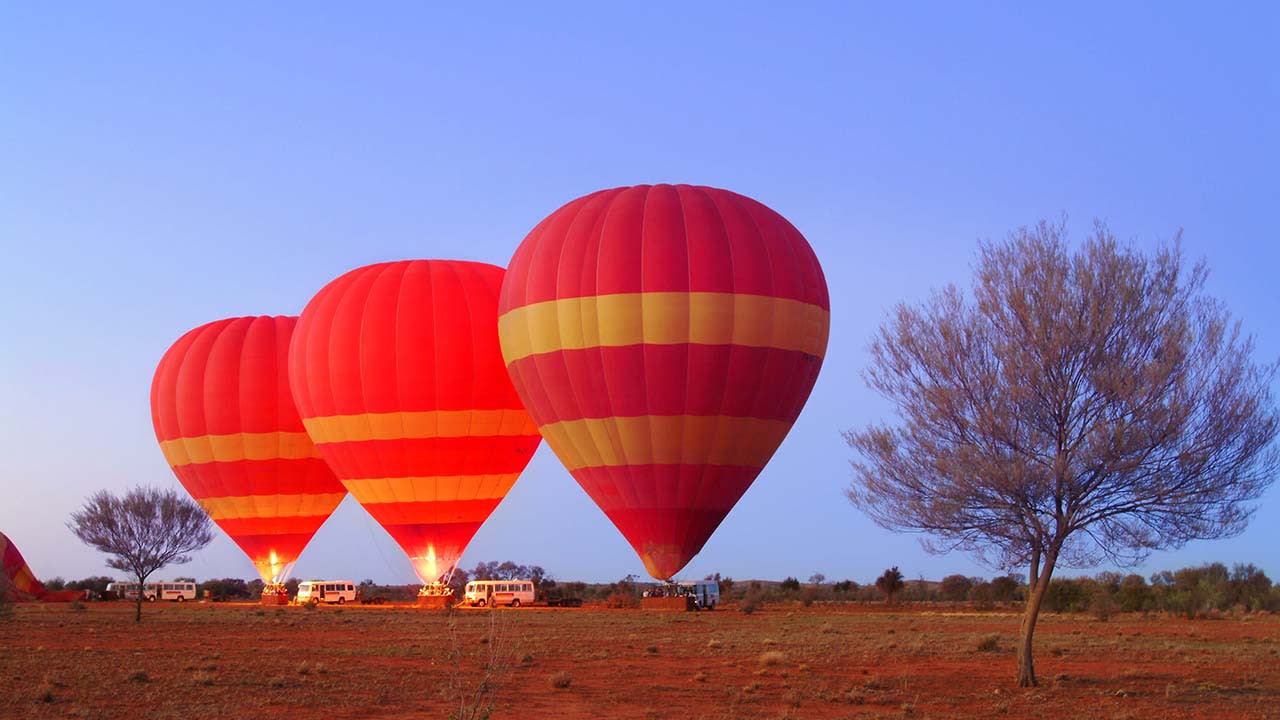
{"type": "Point", "coordinates": [682, 603]}
{"type": "Point", "coordinates": [435, 597]}
{"type": "Point", "coordinates": [274, 595]}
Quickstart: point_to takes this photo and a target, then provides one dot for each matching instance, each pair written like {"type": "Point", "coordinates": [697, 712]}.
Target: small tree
{"type": "Point", "coordinates": [790, 584]}
{"type": "Point", "coordinates": [955, 588]}
{"type": "Point", "coordinates": [143, 531]}
{"type": "Point", "coordinates": [890, 583]}
{"type": "Point", "coordinates": [817, 578]}
{"type": "Point", "coordinates": [1082, 406]}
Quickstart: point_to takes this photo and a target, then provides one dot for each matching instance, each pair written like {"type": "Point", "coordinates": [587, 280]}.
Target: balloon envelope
{"type": "Point", "coordinates": [226, 422]}
{"type": "Point", "coordinates": [398, 376]}
{"type": "Point", "coordinates": [664, 338]}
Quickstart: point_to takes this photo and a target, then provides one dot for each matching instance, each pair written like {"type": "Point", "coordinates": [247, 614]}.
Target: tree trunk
{"type": "Point", "coordinates": [1026, 666]}
{"type": "Point", "coordinates": [137, 614]}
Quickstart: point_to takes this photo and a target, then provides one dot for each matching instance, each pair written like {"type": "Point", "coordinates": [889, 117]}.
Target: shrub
{"type": "Point", "coordinates": [139, 676]}
{"type": "Point", "coordinates": [561, 680]}
{"type": "Point", "coordinates": [890, 583]}
{"type": "Point", "coordinates": [790, 584]}
{"type": "Point", "coordinates": [990, 643]}
{"type": "Point", "coordinates": [772, 658]}
{"type": "Point", "coordinates": [955, 588]}
{"type": "Point", "coordinates": [620, 600]}
{"type": "Point", "coordinates": [752, 602]}
{"type": "Point", "coordinates": [1102, 606]}
{"type": "Point", "coordinates": [808, 596]}
{"type": "Point", "coordinates": [983, 596]}
{"type": "Point", "coordinates": [1005, 588]}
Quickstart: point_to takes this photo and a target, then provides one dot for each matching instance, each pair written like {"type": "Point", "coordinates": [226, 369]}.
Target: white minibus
{"type": "Point", "coordinates": [176, 591]}
{"type": "Point", "coordinates": [315, 592]}
{"type": "Point", "coordinates": [499, 592]}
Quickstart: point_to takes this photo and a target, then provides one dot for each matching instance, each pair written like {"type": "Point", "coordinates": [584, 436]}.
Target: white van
{"type": "Point", "coordinates": [498, 592]}
{"type": "Point", "coordinates": [175, 591]}
{"type": "Point", "coordinates": [338, 592]}
{"type": "Point", "coordinates": [706, 592]}
{"type": "Point", "coordinates": [151, 592]}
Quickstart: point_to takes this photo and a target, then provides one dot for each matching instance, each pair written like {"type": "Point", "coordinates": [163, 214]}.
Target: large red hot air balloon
{"type": "Point", "coordinates": [664, 338]}
{"type": "Point", "coordinates": [225, 419]}
{"type": "Point", "coordinates": [398, 376]}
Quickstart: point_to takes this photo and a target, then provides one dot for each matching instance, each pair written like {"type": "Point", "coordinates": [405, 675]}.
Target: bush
{"type": "Point", "coordinates": [808, 596]}
{"type": "Point", "coordinates": [1134, 594]}
{"type": "Point", "coordinates": [753, 600]}
{"type": "Point", "coordinates": [990, 643]}
{"type": "Point", "coordinates": [772, 658]}
{"type": "Point", "coordinates": [955, 588]}
{"type": "Point", "coordinates": [621, 600]}
{"type": "Point", "coordinates": [890, 583]}
{"type": "Point", "coordinates": [561, 680]}
{"type": "Point", "coordinates": [1004, 588]}
{"type": "Point", "coordinates": [983, 596]}
{"type": "Point", "coordinates": [790, 584]}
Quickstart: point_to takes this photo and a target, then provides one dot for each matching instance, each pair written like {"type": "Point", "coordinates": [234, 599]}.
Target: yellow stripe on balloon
{"type": "Point", "coordinates": [242, 507]}
{"type": "Point", "coordinates": [238, 446]}
{"type": "Point", "coordinates": [663, 318]}
{"type": "Point", "coordinates": [665, 440]}
{"type": "Point", "coordinates": [431, 489]}
{"type": "Point", "coordinates": [419, 425]}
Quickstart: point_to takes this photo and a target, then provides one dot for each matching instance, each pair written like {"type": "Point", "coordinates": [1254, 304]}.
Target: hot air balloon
{"type": "Point", "coordinates": [225, 419]}
{"type": "Point", "coordinates": [18, 583]}
{"type": "Point", "coordinates": [664, 339]}
{"type": "Point", "coordinates": [397, 373]}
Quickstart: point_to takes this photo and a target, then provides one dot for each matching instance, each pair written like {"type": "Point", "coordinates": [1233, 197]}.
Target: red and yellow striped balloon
{"type": "Point", "coordinates": [398, 376]}
{"type": "Point", "coordinates": [225, 419]}
{"type": "Point", "coordinates": [664, 338]}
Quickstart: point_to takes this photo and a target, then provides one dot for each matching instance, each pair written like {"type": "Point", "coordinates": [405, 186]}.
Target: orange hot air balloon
{"type": "Point", "coordinates": [664, 338]}
{"type": "Point", "coordinates": [397, 373]}
{"type": "Point", "coordinates": [225, 419]}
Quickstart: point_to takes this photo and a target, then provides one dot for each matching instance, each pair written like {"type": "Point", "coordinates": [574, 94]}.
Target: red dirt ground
{"type": "Point", "coordinates": [235, 661]}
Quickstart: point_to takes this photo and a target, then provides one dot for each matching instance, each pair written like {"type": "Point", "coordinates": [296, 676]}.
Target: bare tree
{"type": "Point", "coordinates": [1082, 406]}
{"type": "Point", "coordinates": [142, 531]}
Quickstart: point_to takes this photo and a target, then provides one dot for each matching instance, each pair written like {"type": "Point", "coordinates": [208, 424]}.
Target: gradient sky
{"type": "Point", "coordinates": [164, 166]}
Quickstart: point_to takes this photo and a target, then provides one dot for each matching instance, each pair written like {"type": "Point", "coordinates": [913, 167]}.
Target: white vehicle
{"type": "Point", "coordinates": [151, 592]}
{"type": "Point", "coordinates": [129, 590]}
{"type": "Point", "coordinates": [336, 592]}
{"type": "Point", "coordinates": [706, 592]}
{"type": "Point", "coordinates": [498, 592]}
{"type": "Point", "coordinates": [175, 591]}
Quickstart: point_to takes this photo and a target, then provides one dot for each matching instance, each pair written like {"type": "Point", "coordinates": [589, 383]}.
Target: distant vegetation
{"type": "Point", "coordinates": [1204, 591]}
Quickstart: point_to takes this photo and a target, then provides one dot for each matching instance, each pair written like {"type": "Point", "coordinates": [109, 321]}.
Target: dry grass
{"type": "Point", "coordinates": [370, 662]}
{"type": "Point", "coordinates": [772, 658]}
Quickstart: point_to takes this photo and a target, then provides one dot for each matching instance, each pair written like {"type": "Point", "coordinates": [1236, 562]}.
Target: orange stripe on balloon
{"type": "Point", "coordinates": [431, 514]}
{"type": "Point", "coordinates": [238, 446]}
{"type": "Point", "coordinates": [303, 526]}
{"type": "Point", "coordinates": [666, 440]}
{"type": "Point", "coordinates": [419, 425]}
{"type": "Point", "coordinates": [663, 318]}
{"type": "Point", "coordinates": [431, 489]}
{"type": "Point", "coordinates": [270, 506]}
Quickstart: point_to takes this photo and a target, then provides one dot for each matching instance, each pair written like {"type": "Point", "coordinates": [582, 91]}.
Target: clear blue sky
{"type": "Point", "coordinates": [163, 166]}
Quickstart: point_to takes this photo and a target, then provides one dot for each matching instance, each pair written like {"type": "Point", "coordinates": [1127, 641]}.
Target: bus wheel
{"type": "Point", "coordinates": [480, 602]}
{"type": "Point", "coordinates": [314, 601]}
{"type": "Point", "coordinates": [181, 599]}
{"type": "Point", "coordinates": [515, 602]}
{"type": "Point", "coordinates": [151, 598]}
{"type": "Point", "coordinates": [342, 601]}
